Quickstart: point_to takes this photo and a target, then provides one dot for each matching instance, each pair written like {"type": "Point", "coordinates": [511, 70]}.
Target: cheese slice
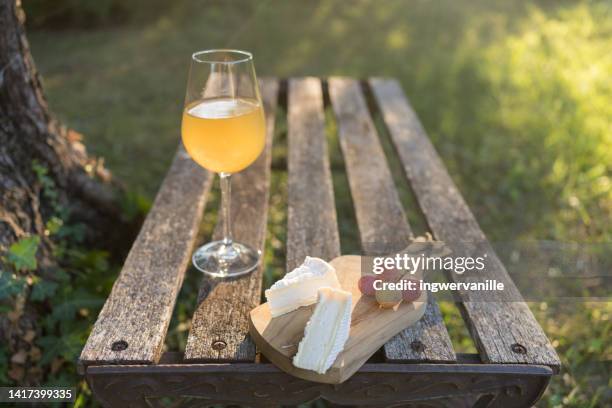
{"type": "Point", "coordinates": [326, 331]}
{"type": "Point", "coordinates": [300, 286]}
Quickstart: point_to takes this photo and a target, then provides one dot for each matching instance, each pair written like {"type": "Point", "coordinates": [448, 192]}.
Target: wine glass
{"type": "Point", "coordinates": [223, 130]}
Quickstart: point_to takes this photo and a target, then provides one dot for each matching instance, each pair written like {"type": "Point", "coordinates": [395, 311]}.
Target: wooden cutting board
{"type": "Point", "coordinates": [371, 327]}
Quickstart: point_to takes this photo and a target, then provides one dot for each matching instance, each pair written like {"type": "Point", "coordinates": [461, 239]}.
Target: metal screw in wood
{"type": "Point", "coordinates": [119, 345]}
{"type": "Point", "coordinates": [219, 345]}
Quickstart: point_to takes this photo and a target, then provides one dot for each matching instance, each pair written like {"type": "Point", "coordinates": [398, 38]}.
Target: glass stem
{"type": "Point", "coordinates": [226, 202]}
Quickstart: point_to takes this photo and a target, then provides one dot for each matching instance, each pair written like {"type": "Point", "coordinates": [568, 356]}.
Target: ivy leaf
{"type": "Point", "coordinates": [78, 299]}
{"type": "Point", "coordinates": [43, 290]}
{"type": "Point", "coordinates": [10, 285]}
{"type": "Point", "coordinates": [22, 254]}
{"type": "Point", "coordinates": [68, 346]}
{"type": "Point", "coordinates": [61, 275]}
{"type": "Point", "coordinates": [73, 232]}
{"type": "Point", "coordinates": [54, 225]}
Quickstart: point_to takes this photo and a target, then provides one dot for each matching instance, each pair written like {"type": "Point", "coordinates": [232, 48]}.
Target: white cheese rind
{"type": "Point", "coordinates": [300, 286]}
{"type": "Point", "coordinates": [326, 332]}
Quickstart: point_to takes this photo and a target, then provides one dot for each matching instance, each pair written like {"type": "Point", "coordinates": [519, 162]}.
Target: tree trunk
{"type": "Point", "coordinates": [29, 134]}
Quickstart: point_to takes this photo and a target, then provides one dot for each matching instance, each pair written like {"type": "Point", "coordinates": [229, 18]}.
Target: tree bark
{"type": "Point", "coordinates": [29, 133]}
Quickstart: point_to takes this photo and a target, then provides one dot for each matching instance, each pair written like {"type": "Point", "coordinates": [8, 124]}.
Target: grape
{"type": "Point", "coordinates": [391, 275]}
{"type": "Point", "coordinates": [366, 284]}
{"type": "Point", "coordinates": [412, 295]}
{"type": "Point", "coordinates": [388, 298]}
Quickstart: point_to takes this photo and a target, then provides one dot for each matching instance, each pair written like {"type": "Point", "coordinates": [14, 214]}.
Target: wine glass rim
{"type": "Point", "coordinates": [197, 56]}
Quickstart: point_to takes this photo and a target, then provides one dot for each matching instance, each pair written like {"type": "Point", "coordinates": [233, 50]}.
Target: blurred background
{"type": "Point", "coordinates": [515, 95]}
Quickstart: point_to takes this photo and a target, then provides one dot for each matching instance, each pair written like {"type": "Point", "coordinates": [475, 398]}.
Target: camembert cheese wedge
{"type": "Point", "coordinates": [326, 331]}
{"type": "Point", "coordinates": [300, 286]}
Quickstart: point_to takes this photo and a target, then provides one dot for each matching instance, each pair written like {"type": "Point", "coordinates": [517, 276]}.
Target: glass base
{"type": "Point", "coordinates": [223, 260]}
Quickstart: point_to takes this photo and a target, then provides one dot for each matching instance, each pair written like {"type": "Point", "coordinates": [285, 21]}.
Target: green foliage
{"type": "Point", "coordinates": [71, 301]}
{"type": "Point", "coordinates": [63, 14]}
{"type": "Point", "coordinates": [10, 284]}
{"type": "Point", "coordinates": [42, 290]}
{"type": "Point", "coordinates": [462, 341]}
{"type": "Point", "coordinates": [69, 296]}
{"type": "Point", "coordinates": [134, 204]}
{"type": "Point", "coordinates": [582, 341]}
{"type": "Point", "coordinates": [68, 346]}
{"type": "Point", "coordinates": [544, 131]}
{"type": "Point", "coordinates": [48, 188]}
{"type": "Point", "coordinates": [22, 254]}
{"type": "Point", "coordinates": [54, 225]}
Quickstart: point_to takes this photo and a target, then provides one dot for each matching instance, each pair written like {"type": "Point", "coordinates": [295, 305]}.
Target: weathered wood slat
{"type": "Point", "coordinates": [312, 228]}
{"type": "Point", "coordinates": [380, 216]}
{"type": "Point", "coordinates": [504, 331]}
{"type": "Point", "coordinates": [219, 327]}
{"type": "Point", "coordinates": [132, 325]}
{"type": "Point", "coordinates": [382, 223]}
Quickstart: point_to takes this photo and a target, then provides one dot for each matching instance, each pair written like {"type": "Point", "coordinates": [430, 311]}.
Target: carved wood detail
{"type": "Point", "coordinates": [450, 386]}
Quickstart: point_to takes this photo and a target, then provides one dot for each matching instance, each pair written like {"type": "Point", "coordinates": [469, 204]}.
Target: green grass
{"type": "Point", "coordinates": [516, 97]}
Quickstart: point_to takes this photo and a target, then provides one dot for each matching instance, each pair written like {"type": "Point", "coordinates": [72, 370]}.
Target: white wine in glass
{"type": "Point", "coordinates": [223, 130]}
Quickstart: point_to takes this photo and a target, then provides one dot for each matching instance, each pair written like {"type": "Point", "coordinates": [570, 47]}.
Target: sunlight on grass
{"type": "Point", "coordinates": [551, 84]}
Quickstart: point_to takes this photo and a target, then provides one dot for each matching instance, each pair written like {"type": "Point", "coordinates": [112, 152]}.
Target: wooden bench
{"type": "Point", "coordinates": [123, 359]}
